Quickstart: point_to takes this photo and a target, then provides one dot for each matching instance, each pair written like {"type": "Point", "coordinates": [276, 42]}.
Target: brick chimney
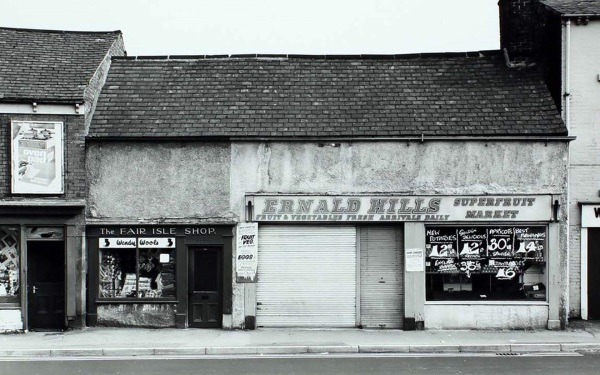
{"type": "Point", "coordinates": [517, 28]}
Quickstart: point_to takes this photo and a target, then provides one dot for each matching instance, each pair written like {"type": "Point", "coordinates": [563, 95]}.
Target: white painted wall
{"type": "Point", "coordinates": [489, 316]}
{"type": "Point", "coordinates": [585, 150]}
{"type": "Point", "coordinates": [10, 320]}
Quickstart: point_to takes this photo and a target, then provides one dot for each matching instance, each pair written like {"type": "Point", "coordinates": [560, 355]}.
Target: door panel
{"type": "Point", "coordinates": [205, 299]}
{"type": "Point", "coordinates": [46, 285]}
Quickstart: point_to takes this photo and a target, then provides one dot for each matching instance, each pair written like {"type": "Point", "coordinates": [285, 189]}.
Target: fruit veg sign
{"type": "Point", "coordinates": [37, 157]}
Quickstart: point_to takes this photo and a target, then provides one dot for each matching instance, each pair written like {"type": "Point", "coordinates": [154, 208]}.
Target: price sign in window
{"type": "Point", "coordinates": [485, 262]}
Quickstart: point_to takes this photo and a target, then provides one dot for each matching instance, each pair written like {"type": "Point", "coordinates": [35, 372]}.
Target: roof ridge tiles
{"type": "Point", "coordinates": [48, 31]}
{"type": "Point", "coordinates": [466, 54]}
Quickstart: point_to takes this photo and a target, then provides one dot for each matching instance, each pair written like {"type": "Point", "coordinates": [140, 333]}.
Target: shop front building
{"type": "Point", "coordinates": [159, 276]}
{"type": "Point", "coordinates": [45, 106]}
{"type": "Point", "coordinates": [406, 262]}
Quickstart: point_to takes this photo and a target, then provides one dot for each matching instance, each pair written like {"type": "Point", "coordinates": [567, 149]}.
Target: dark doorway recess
{"type": "Point", "coordinates": [205, 287]}
{"type": "Point", "coordinates": [46, 285]}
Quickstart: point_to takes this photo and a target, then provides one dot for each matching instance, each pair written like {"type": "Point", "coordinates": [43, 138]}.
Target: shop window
{"type": "Point", "coordinates": [137, 273]}
{"type": "Point", "coordinates": [486, 263]}
{"type": "Point", "coordinates": [9, 265]}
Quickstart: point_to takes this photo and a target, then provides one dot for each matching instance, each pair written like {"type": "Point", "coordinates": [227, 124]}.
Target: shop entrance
{"type": "Point", "coordinates": [46, 285]}
{"type": "Point", "coordinates": [205, 291]}
{"type": "Point", "coordinates": [593, 280]}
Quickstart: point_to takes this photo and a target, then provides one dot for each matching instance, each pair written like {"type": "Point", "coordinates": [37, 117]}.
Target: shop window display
{"type": "Point", "coordinates": [485, 263]}
{"type": "Point", "coordinates": [9, 265]}
{"type": "Point", "coordinates": [137, 273]}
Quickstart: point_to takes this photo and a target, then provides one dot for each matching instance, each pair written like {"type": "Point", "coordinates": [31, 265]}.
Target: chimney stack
{"type": "Point", "coordinates": [517, 27]}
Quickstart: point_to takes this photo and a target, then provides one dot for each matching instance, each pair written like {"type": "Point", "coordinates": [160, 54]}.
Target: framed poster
{"type": "Point", "coordinates": [37, 157]}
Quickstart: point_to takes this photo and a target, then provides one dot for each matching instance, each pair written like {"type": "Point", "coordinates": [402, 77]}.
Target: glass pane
{"type": "Point", "coordinates": [157, 273]}
{"type": "Point", "coordinates": [206, 270]}
{"type": "Point", "coordinates": [9, 265]}
{"type": "Point", "coordinates": [117, 274]}
{"type": "Point", "coordinates": [486, 263]}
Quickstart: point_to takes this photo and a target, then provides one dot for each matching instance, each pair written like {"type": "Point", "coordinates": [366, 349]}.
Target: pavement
{"type": "Point", "coordinates": [119, 342]}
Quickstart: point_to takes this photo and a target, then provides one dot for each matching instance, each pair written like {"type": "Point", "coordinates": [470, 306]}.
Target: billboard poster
{"type": "Point", "coordinates": [247, 252]}
{"type": "Point", "coordinates": [37, 157]}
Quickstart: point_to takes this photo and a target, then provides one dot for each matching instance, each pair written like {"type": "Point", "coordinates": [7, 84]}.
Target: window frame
{"type": "Point", "coordinates": [170, 299]}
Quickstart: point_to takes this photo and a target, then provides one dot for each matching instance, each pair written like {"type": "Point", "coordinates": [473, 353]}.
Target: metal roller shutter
{"type": "Point", "coordinates": [306, 276]}
{"type": "Point", "coordinates": [381, 277]}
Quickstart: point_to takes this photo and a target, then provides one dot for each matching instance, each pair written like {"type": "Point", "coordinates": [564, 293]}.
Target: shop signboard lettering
{"type": "Point", "coordinates": [247, 252]}
{"type": "Point", "coordinates": [37, 157]}
{"type": "Point", "coordinates": [117, 243]}
{"type": "Point", "coordinates": [303, 208]}
{"type": "Point", "coordinates": [156, 243]}
{"type": "Point", "coordinates": [150, 231]}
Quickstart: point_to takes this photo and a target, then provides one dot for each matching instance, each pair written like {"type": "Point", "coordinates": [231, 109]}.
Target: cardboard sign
{"type": "Point", "coordinates": [247, 252]}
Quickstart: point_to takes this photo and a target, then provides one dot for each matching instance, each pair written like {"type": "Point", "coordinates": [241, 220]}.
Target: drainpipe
{"type": "Point", "coordinates": [567, 94]}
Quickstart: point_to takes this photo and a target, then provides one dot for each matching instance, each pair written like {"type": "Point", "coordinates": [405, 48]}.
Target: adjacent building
{"type": "Point", "coordinates": [405, 192]}
{"type": "Point", "coordinates": [562, 38]}
{"type": "Point", "coordinates": [49, 83]}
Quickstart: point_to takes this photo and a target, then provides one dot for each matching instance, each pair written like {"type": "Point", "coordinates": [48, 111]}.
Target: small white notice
{"type": "Point", "coordinates": [414, 260]}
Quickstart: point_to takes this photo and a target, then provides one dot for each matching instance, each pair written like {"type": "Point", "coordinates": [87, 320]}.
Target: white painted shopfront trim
{"type": "Point", "coordinates": [504, 315]}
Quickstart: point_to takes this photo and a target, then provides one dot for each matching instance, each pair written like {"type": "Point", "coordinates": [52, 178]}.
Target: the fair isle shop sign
{"type": "Point", "coordinates": [315, 208]}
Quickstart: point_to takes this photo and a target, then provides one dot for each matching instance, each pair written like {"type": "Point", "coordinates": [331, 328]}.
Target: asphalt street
{"type": "Point", "coordinates": [312, 364]}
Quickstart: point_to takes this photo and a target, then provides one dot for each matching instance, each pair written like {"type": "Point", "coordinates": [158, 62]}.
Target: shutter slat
{"type": "Point", "coordinates": [381, 277]}
{"type": "Point", "coordinates": [306, 276]}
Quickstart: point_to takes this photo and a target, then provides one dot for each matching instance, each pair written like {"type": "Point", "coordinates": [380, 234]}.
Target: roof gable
{"type": "Point", "coordinates": [322, 97]}
{"type": "Point", "coordinates": [49, 66]}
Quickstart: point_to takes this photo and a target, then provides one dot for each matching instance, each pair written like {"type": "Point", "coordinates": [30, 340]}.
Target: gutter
{"type": "Point", "coordinates": [422, 138]}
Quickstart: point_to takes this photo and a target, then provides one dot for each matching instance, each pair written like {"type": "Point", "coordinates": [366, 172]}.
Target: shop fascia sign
{"type": "Point", "coordinates": [302, 208]}
{"type": "Point", "coordinates": [590, 215]}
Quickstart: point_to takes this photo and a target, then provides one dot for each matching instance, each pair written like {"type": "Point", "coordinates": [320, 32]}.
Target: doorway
{"type": "Point", "coordinates": [593, 280]}
{"type": "Point", "coordinates": [46, 285]}
{"type": "Point", "coordinates": [205, 287]}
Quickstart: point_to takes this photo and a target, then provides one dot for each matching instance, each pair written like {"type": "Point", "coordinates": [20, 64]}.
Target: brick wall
{"type": "Point", "coordinates": [517, 26]}
{"type": "Point", "coordinates": [74, 154]}
{"type": "Point", "coordinates": [585, 150]}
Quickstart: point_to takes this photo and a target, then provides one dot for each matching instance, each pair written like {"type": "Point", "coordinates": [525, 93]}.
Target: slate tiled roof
{"type": "Point", "coordinates": [49, 66]}
{"type": "Point", "coordinates": [466, 94]}
{"type": "Point", "coordinates": [574, 7]}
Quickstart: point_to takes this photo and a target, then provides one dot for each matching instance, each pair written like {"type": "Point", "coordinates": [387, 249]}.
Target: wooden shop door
{"type": "Point", "coordinates": [46, 285]}
{"type": "Point", "coordinates": [205, 287]}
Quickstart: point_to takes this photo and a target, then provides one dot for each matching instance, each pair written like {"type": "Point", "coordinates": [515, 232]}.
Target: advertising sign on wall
{"type": "Point", "coordinates": [247, 252]}
{"type": "Point", "coordinates": [315, 208]}
{"type": "Point", "coordinates": [37, 157]}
